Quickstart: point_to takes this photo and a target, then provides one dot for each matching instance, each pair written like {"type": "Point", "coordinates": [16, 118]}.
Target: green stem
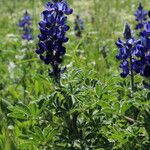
{"type": "Point", "coordinates": [24, 85]}
{"type": "Point", "coordinates": [132, 75]}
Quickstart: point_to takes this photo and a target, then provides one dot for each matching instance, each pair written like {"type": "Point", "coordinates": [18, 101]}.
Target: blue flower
{"type": "Point", "coordinates": [27, 35]}
{"type": "Point", "coordinates": [146, 31]}
{"type": "Point", "coordinates": [137, 65]}
{"type": "Point", "coordinates": [25, 23]}
{"type": "Point", "coordinates": [124, 54]}
{"type": "Point", "coordinates": [145, 71]}
{"type": "Point", "coordinates": [25, 20]}
{"type": "Point", "coordinates": [140, 16]}
{"type": "Point", "coordinates": [53, 28]}
{"type": "Point", "coordinates": [145, 37]}
{"type": "Point", "coordinates": [79, 26]}
{"type": "Point", "coordinates": [138, 49]}
{"type": "Point", "coordinates": [123, 49]}
{"type": "Point", "coordinates": [147, 26]}
{"type": "Point", "coordinates": [148, 13]}
{"type": "Point", "coordinates": [125, 68]}
{"type": "Point", "coordinates": [131, 53]}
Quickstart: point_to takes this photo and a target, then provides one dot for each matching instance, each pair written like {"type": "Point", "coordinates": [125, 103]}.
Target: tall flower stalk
{"type": "Point", "coordinates": [129, 53]}
{"type": "Point", "coordinates": [128, 37]}
{"type": "Point", "coordinates": [53, 28]}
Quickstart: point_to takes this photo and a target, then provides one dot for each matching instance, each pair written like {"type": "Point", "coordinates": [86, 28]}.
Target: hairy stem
{"type": "Point", "coordinates": [131, 75]}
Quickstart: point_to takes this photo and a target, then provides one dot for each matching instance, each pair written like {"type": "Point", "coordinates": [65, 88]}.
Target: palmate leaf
{"type": "Point", "coordinates": [125, 105]}
{"type": "Point", "coordinates": [33, 108]}
{"type": "Point", "coordinates": [120, 137]}
{"type": "Point", "coordinates": [37, 137]}
{"type": "Point", "coordinates": [30, 111]}
{"type": "Point", "coordinates": [31, 138]}
{"type": "Point", "coordinates": [23, 108]}
{"type": "Point", "coordinates": [28, 144]}
{"type": "Point", "coordinates": [17, 115]}
{"type": "Point", "coordinates": [49, 133]}
{"type": "Point", "coordinates": [39, 133]}
{"type": "Point", "coordinates": [20, 111]}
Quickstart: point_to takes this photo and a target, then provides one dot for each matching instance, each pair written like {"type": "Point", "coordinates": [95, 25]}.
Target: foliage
{"type": "Point", "coordinates": [92, 108]}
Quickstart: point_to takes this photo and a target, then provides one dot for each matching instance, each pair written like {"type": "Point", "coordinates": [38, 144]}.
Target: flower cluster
{"type": "Point", "coordinates": [140, 17]}
{"type": "Point", "coordinates": [123, 55]}
{"type": "Point", "coordinates": [53, 28]}
{"type": "Point", "coordinates": [145, 38]}
{"type": "Point", "coordinates": [79, 26]}
{"type": "Point", "coordinates": [130, 53]}
{"type": "Point", "coordinates": [135, 54]}
{"type": "Point", "coordinates": [25, 23]}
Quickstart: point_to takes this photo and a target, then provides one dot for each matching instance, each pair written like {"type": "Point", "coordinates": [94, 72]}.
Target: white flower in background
{"type": "Point", "coordinates": [19, 57]}
{"type": "Point", "coordinates": [70, 65]}
{"type": "Point", "coordinates": [23, 51]}
{"type": "Point", "coordinates": [11, 66]}
{"type": "Point", "coordinates": [93, 63]}
{"type": "Point", "coordinates": [11, 37]}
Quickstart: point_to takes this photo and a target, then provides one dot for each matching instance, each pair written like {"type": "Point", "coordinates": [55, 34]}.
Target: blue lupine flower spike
{"type": "Point", "coordinates": [131, 53]}
{"type": "Point", "coordinates": [140, 17]}
{"type": "Point", "coordinates": [53, 28]}
{"type": "Point", "coordinates": [124, 51]}
{"type": "Point", "coordinates": [79, 26]}
{"type": "Point", "coordinates": [135, 54]}
{"type": "Point", "coordinates": [25, 23]}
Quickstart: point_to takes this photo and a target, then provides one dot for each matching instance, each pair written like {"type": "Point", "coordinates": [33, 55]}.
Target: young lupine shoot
{"type": "Point", "coordinates": [140, 17]}
{"type": "Point", "coordinates": [129, 53]}
{"type": "Point", "coordinates": [79, 26]}
{"type": "Point", "coordinates": [53, 29]}
{"type": "Point", "coordinates": [25, 23]}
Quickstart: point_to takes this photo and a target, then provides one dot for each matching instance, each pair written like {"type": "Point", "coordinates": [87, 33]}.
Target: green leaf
{"type": "Point", "coordinates": [23, 108]}
{"type": "Point", "coordinates": [36, 87]}
{"type": "Point", "coordinates": [39, 133]}
{"type": "Point", "coordinates": [33, 108]}
{"type": "Point", "coordinates": [17, 115]}
{"type": "Point", "coordinates": [148, 96]}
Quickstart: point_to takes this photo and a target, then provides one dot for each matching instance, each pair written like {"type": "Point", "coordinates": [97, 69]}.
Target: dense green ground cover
{"type": "Point", "coordinates": [93, 109]}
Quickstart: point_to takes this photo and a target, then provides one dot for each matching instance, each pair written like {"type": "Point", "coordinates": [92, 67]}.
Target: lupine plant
{"type": "Point", "coordinates": [134, 54]}
{"type": "Point", "coordinates": [25, 23]}
{"type": "Point", "coordinates": [79, 26]}
{"type": "Point", "coordinates": [128, 53]}
{"type": "Point", "coordinates": [26, 53]}
{"type": "Point", "coordinates": [135, 57]}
